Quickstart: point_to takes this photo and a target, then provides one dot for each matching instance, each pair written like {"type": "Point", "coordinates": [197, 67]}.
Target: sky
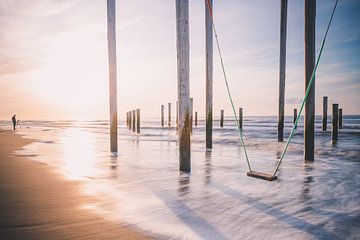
{"type": "Point", "coordinates": [54, 65]}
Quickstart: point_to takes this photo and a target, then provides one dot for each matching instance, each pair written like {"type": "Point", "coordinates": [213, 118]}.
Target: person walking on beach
{"type": "Point", "coordinates": [14, 121]}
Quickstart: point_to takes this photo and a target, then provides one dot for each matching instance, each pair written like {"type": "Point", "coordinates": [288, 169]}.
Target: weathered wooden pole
{"type": "Point", "coordinates": [340, 118]}
{"type": "Point", "coordinates": [309, 119]}
{"type": "Point", "coordinates": [134, 121]}
{"type": "Point", "coordinates": [222, 118]}
{"type": "Point", "coordinates": [335, 122]}
{"type": "Point", "coordinates": [191, 114]}
{"type": "Point", "coordinates": [295, 116]}
{"type": "Point", "coordinates": [162, 115]}
{"type": "Point", "coordinates": [127, 119]}
{"type": "Point", "coordinates": [182, 44]}
{"type": "Point", "coordinates": [169, 114]}
{"type": "Point", "coordinates": [209, 72]}
{"type": "Point", "coordinates": [196, 119]}
{"type": "Point", "coordinates": [324, 117]}
{"type": "Point", "coordinates": [138, 120]}
{"type": "Point", "coordinates": [240, 118]}
{"type": "Point", "coordinates": [111, 37]}
{"type": "Point", "coordinates": [130, 120]}
{"type": "Point", "coordinates": [283, 23]}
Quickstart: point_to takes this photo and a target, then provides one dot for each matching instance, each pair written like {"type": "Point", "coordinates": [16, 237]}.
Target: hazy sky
{"type": "Point", "coordinates": [53, 57]}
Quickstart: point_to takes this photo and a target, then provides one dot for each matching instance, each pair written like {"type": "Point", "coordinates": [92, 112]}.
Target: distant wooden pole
{"type": "Point", "coordinates": [111, 37]}
{"type": "Point", "coordinates": [134, 121]}
{"type": "Point", "coordinates": [283, 23]}
{"type": "Point", "coordinates": [209, 74]}
{"type": "Point", "coordinates": [191, 114]}
{"type": "Point", "coordinates": [162, 115]}
{"type": "Point", "coordinates": [127, 119]}
{"type": "Point", "coordinates": [324, 117]}
{"type": "Point", "coordinates": [138, 120]}
{"type": "Point", "coordinates": [295, 117]}
{"type": "Point", "coordinates": [177, 115]}
{"type": "Point", "coordinates": [182, 43]}
{"type": "Point", "coordinates": [130, 120]}
{"type": "Point", "coordinates": [335, 122]}
{"type": "Point", "coordinates": [240, 118]}
{"type": "Point", "coordinates": [340, 118]}
{"type": "Point", "coordinates": [222, 118]}
{"type": "Point", "coordinates": [169, 114]}
{"type": "Point", "coordinates": [309, 120]}
{"type": "Point", "coordinates": [196, 119]}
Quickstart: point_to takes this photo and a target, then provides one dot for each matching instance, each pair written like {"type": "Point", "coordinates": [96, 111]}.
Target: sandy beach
{"type": "Point", "coordinates": [36, 203]}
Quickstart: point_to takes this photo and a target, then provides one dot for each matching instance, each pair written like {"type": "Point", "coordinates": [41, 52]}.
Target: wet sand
{"type": "Point", "coordinates": [37, 203]}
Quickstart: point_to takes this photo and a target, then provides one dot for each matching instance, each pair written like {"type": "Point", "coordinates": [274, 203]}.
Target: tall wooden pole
{"type": "Point", "coordinates": [196, 118]}
{"type": "Point", "coordinates": [240, 118]}
{"type": "Point", "coordinates": [169, 114]}
{"type": "Point", "coordinates": [295, 117]}
{"type": "Point", "coordinates": [134, 121]}
{"type": "Point", "coordinates": [191, 114]}
{"type": "Point", "coordinates": [111, 37]}
{"type": "Point", "coordinates": [177, 115]}
{"type": "Point", "coordinates": [335, 123]}
{"type": "Point", "coordinates": [130, 121]}
{"type": "Point", "coordinates": [324, 117]}
{"type": "Point", "coordinates": [182, 44]}
{"type": "Point", "coordinates": [222, 118]}
{"type": "Point", "coordinates": [209, 73]}
{"type": "Point", "coordinates": [283, 23]}
{"type": "Point", "coordinates": [309, 120]}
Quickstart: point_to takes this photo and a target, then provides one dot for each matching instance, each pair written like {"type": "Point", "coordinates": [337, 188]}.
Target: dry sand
{"type": "Point", "coordinates": [36, 203]}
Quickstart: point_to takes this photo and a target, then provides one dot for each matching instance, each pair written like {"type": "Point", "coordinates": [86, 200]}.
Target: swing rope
{"type": "Point", "coordinates": [302, 104]}
{"type": "Point", "coordinates": [227, 84]}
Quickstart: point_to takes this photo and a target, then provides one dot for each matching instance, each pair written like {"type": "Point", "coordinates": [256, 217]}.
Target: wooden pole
{"type": "Point", "coordinates": [283, 23]}
{"type": "Point", "coordinates": [196, 119]}
{"type": "Point", "coordinates": [309, 120]}
{"type": "Point", "coordinates": [182, 44]}
{"type": "Point", "coordinates": [177, 115]}
{"type": "Point", "coordinates": [162, 115]}
{"type": "Point", "coordinates": [335, 122]}
{"type": "Point", "coordinates": [340, 118]}
{"type": "Point", "coordinates": [138, 120]}
{"type": "Point", "coordinates": [169, 114]}
{"type": "Point", "coordinates": [191, 114]}
{"type": "Point", "coordinates": [324, 117]}
{"type": "Point", "coordinates": [240, 118]}
{"type": "Point", "coordinates": [222, 118]}
{"type": "Point", "coordinates": [111, 37]}
{"type": "Point", "coordinates": [295, 116]}
{"type": "Point", "coordinates": [209, 74]}
{"type": "Point", "coordinates": [130, 120]}
{"type": "Point", "coordinates": [134, 121]}
{"type": "Point", "coordinates": [127, 119]}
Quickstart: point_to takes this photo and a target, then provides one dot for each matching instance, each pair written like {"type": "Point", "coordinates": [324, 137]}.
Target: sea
{"type": "Point", "coordinates": [141, 185]}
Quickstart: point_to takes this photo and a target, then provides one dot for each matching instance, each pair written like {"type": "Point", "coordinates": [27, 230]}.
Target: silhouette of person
{"type": "Point", "coordinates": [14, 121]}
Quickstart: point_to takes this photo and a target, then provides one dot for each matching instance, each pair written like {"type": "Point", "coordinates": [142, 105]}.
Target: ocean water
{"type": "Point", "coordinates": [142, 186]}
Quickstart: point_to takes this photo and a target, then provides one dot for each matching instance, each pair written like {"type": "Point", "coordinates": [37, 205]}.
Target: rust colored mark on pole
{"type": "Point", "coordinates": [138, 120]}
{"type": "Point", "coordinates": [111, 37]}
{"type": "Point", "coordinates": [222, 118]}
{"type": "Point", "coordinates": [169, 114]}
{"type": "Point", "coordinates": [182, 44]}
{"type": "Point", "coordinates": [335, 123]}
{"type": "Point", "coordinates": [324, 117]}
{"type": "Point", "coordinates": [309, 120]}
{"type": "Point", "coordinates": [283, 23]}
{"type": "Point", "coordinates": [209, 72]}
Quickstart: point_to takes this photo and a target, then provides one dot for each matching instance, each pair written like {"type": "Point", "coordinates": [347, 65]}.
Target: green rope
{"type": "Point", "coordinates": [307, 91]}
{"type": "Point", "coordinates": [227, 85]}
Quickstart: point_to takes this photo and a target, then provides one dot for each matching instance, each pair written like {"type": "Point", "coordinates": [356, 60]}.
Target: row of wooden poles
{"type": "Point", "coordinates": [183, 76]}
{"type": "Point", "coordinates": [133, 120]}
{"type": "Point", "coordinates": [194, 118]}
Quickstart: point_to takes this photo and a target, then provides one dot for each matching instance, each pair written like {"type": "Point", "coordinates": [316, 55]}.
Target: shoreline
{"type": "Point", "coordinates": [36, 203]}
